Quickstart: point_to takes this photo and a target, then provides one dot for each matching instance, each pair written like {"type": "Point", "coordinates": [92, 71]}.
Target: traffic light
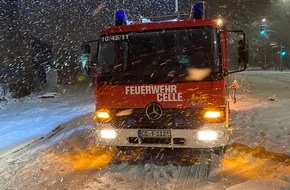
{"type": "Point", "coordinates": [283, 52]}
{"type": "Point", "coordinates": [262, 30]}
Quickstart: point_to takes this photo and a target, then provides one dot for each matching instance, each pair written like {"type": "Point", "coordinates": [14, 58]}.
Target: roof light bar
{"type": "Point", "coordinates": [120, 18]}
{"type": "Point", "coordinates": [198, 10]}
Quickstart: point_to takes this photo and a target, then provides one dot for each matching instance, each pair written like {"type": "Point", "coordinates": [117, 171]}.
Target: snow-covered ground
{"type": "Point", "coordinates": [28, 118]}
{"type": "Point", "coordinates": [261, 115]}
{"type": "Point", "coordinates": [258, 156]}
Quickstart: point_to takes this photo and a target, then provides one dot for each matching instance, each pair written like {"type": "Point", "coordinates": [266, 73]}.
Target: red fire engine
{"type": "Point", "coordinates": [163, 83]}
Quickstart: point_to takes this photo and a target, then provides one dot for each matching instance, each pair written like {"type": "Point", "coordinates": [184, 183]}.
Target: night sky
{"type": "Point", "coordinates": [65, 24]}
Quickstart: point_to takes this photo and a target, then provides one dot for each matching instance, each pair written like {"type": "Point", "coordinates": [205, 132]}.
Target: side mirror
{"type": "Point", "coordinates": [85, 58]}
{"type": "Point", "coordinates": [243, 54]}
{"type": "Point", "coordinates": [88, 57]}
{"type": "Point", "coordinates": [86, 48]}
{"type": "Point", "coordinates": [236, 54]}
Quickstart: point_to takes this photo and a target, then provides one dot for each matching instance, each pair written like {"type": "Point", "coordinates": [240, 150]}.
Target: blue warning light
{"type": "Point", "coordinates": [198, 11]}
{"type": "Point", "coordinates": [120, 18]}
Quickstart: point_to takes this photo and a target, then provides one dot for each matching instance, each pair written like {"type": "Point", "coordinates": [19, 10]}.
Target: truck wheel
{"type": "Point", "coordinates": [216, 157]}
{"type": "Point", "coordinates": [220, 150]}
{"type": "Point", "coordinates": [127, 148]}
{"type": "Point", "coordinates": [122, 148]}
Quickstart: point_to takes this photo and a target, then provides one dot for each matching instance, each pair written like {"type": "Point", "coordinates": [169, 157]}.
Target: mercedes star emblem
{"type": "Point", "coordinates": [153, 111]}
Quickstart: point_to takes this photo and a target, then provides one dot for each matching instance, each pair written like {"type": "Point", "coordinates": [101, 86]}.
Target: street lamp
{"type": "Point", "coordinates": [281, 52]}
{"type": "Point", "coordinates": [262, 31]}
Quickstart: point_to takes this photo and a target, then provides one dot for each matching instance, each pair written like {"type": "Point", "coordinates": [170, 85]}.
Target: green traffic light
{"type": "Point", "coordinates": [283, 53]}
{"type": "Point", "coordinates": [262, 30]}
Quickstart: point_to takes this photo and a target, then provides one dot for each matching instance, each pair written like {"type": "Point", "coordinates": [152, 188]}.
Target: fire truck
{"type": "Point", "coordinates": [163, 83]}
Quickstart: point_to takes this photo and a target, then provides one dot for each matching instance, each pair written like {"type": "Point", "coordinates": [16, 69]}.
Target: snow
{"type": "Point", "coordinates": [32, 117]}
{"type": "Point", "coordinates": [262, 118]}
{"type": "Point", "coordinates": [257, 157]}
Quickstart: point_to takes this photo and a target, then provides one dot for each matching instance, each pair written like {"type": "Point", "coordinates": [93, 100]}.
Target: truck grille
{"type": "Point", "coordinates": [170, 119]}
{"type": "Point", "coordinates": [176, 141]}
{"type": "Point", "coordinates": [134, 140]}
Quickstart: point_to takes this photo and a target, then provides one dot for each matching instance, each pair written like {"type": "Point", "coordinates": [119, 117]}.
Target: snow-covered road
{"type": "Point", "coordinates": [261, 116]}
{"type": "Point", "coordinates": [258, 156]}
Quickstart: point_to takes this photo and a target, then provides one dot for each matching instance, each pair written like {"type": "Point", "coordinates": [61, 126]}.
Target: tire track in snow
{"type": "Point", "coordinates": [191, 177]}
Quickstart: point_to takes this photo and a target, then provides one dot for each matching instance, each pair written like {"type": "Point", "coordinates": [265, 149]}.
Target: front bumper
{"type": "Point", "coordinates": [207, 136]}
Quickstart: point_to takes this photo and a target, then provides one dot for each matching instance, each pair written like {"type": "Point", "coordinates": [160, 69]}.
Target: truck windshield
{"type": "Point", "coordinates": [160, 56]}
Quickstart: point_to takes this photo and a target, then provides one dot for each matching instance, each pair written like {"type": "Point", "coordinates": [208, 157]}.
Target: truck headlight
{"type": "Point", "coordinates": [108, 134]}
{"type": "Point", "coordinates": [207, 135]}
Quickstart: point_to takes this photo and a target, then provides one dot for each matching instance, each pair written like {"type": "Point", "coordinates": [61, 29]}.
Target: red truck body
{"type": "Point", "coordinates": [163, 84]}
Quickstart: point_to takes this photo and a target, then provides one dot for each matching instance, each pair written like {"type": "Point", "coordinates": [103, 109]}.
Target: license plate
{"type": "Point", "coordinates": [154, 133]}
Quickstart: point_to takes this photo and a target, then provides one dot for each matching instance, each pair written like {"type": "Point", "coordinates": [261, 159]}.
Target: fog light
{"type": "Point", "coordinates": [102, 115]}
{"type": "Point", "coordinates": [108, 134]}
{"type": "Point", "coordinates": [207, 135]}
{"type": "Point", "coordinates": [212, 114]}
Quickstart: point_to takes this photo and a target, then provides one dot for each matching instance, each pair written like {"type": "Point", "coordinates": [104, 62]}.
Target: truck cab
{"type": "Point", "coordinates": [163, 83]}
